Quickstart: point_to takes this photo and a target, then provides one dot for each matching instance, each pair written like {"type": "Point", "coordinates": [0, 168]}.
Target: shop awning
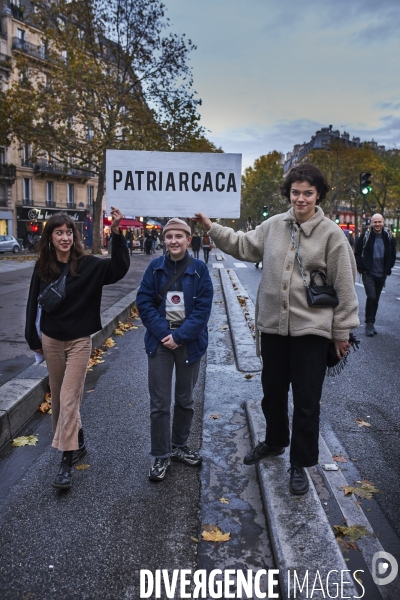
{"type": "Point", "coordinates": [125, 223]}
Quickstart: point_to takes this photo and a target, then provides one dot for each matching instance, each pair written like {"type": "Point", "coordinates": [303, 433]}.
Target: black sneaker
{"type": "Point", "coordinates": [262, 451]}
{"type": "Point", "coordinates": [187, 456]}
{"type": "Point", "coordinates": [298, 481]}
{"type": "Point", "coordinates": [159, 469]}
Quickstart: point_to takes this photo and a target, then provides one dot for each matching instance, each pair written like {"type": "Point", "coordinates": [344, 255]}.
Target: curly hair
{"type": "Point", "coordinates": [309, 173]}
{"type": "Point", "coordinates": [48, 268]}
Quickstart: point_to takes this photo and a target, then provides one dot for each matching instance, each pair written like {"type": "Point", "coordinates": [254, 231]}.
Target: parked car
{"type": "Point", "coordinates": [8, 243]}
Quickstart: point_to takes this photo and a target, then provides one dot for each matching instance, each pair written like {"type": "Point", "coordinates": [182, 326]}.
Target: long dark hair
{"type": "Point", "coordinates": [48, 268]}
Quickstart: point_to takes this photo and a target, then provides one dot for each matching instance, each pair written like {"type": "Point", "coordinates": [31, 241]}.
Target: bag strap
{"type": "Point", "coordinates": [66, 269]}
{"type": "Point", "coordinates": [171, 281]}
{"type": "Point", "coordinates": [297, 255]}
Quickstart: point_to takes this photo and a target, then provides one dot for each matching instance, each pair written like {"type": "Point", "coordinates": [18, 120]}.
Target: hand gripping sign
{"type": "Point", "coordinates": [174, 183]}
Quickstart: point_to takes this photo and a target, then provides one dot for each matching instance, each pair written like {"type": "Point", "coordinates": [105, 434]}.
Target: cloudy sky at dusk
{"type": "Point", "coordinates": [272, 72]}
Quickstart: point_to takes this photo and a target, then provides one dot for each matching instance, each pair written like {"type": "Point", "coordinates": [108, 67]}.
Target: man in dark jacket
{"type": "Point", "coordinates": [177, 337]}
{"type": "Point", "coordinates": [375, 256]}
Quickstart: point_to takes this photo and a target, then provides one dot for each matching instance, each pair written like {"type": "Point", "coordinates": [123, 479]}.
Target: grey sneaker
{"type": "Point", "coordinates": [159, 469]}
{"type": "Point", "coordinates": [369, 329]}
{"type": "Point", "coordinates": [187, 456]}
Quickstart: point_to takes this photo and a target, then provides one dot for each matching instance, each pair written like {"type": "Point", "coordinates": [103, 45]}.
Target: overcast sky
{"type": "Point", "coordinates": [272, 72]}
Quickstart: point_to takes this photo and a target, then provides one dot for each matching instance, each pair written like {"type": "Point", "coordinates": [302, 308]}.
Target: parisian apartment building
{"type": "Point", "coordinates": [32, 190]}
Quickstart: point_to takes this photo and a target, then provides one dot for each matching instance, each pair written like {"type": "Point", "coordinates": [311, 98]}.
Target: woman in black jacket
{"type": "Point", "coordinates": [64, 335]}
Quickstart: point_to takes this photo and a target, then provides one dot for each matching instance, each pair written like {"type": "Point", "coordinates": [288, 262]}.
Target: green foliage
{"type": "Point", "coordinates": [343, 165]}
{"type": "Point", "coordinates": [261, 186]}
{"type": "Point", "coordinates": [112, 77]}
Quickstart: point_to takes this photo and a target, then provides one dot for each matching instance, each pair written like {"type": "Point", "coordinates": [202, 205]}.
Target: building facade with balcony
{"type": "Point", "coordinates": [319, 141]}
{"type": "Point", "coordinates": [32, 190]}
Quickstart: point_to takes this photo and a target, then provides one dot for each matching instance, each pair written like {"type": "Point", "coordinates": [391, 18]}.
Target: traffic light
{"type": "Point", "coordinates": [337, 220]}
{"type": "Point", "coordinates": [265, 212]}
{"type": "Point", "coordinates": [365, 183]}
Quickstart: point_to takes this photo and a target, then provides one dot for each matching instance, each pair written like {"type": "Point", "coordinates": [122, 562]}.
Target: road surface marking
{"type": "Point", "coordinates": [217, 266]}
{"type": "Point", "coordinates": [240, 265]}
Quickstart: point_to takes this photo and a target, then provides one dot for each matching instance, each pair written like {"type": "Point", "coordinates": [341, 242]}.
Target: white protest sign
{"type": "Point", "coordinates": [179, 184]}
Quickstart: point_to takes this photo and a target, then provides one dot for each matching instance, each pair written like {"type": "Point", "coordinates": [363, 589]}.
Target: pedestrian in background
{"type": "Point", "coordinates": [65, 332]}
{"type": "Point", "coordinates": [141, 242]}
{"type": "Point", "coordinates": [206, 243]}
{"type": "Point", "coordinates": [147, 242]}
{"type": "Point", "coordinates": [351, 240]}
{"type": "Point", "coordinates": [375, 256]}
{"type": "Point", "coordinates": [295, 337]}
{"type": "Point", "coordinates": [129, 240]}
{"type": "Point", "coordinates": [174, 302]}
{"type": "Point", "coordinates": [196, 244]}
{"type": "Point", "coordinates": [154, 240]}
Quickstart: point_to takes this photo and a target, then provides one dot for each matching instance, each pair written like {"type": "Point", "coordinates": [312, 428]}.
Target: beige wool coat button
{"type": "Point", "coordinates": [288, 268]}
{"type": "Point", "coordinates": [285, 287]}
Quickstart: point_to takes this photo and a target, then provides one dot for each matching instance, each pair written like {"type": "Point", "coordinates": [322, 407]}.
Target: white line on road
{"type": "Point", "coordinates": [218, 266]}
{"type": "Point", "coordinates": [240, 265]}
{"type": "Point", "coordinates": [360, 284]}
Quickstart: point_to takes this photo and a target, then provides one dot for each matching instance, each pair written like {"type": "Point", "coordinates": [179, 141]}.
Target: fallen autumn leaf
{"type": "Point", "coordinates": [354, 533]}
{"type": "Point", "coordinates": [339, 458]}
{"type": "Point", "coordinates": [362, 423]}
{"type": "Point", "coordinates": [25, 440]}
{"type": "Point", "coordinates": [215, 535]}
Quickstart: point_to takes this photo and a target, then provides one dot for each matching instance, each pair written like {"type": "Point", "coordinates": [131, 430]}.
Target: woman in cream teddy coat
{"type": "Point", "coordinates": [294, 337]}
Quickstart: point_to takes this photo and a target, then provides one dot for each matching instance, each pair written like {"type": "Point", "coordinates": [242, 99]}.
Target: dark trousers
{"type": "Point", "coordinates": [206, 252]}
{"type": "Point", "coordinates": [161, 366]}
{"type": "Point", "coordinates": [300, 361]}
{"type": "Point", "coordinates": [373, 288]}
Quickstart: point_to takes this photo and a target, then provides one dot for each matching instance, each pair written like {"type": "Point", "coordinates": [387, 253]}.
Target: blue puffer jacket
{"type": "Point", "coordinates": [198, 294]}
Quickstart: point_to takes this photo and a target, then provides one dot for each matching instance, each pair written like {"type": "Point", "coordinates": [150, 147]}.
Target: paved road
{"type": "Point", "coordinates": [92, 541]}
{"type": "Point", "coordinates": [15, 277]}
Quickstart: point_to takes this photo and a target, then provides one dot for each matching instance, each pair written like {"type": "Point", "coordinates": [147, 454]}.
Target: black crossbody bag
{"type": "Point", "coordinates": [170, 282]}
{"type": "Point", "coordinates": [318, 296]}
{"type": "Point", "coordinates": [52, 296]}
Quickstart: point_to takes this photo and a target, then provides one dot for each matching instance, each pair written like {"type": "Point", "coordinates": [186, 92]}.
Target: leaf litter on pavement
{"type": "Point", "coordinates": [25, 440]}
{"type": "Point", "coordinates": [97, 354]}
{"type": "Point", "coordinates": [363, 489]}
{"type": "Point", "coordinates": [212, 533]}
{"type": "Point", "coordinates": [353, 533]}
{"type": "Point", "coordinates": [362, 423]}
{"type": "Point", "coordinates": [45, 407]}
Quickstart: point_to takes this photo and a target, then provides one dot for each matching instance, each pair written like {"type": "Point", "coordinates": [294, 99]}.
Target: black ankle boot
{"type": "Point", "coordinates": [81, 452]}
{"type": "Point", "coordinates": [63, 480]}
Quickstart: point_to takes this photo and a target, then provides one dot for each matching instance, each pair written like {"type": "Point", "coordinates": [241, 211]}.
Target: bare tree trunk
{"type": "Point", "coordinates": [98, 215]}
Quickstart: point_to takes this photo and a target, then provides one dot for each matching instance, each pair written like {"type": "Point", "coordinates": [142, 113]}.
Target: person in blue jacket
{"type": "Point", "coordinates": [177, 337]}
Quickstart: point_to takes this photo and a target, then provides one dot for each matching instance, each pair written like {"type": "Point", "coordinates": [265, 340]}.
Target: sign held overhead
{"type": "Point", "coordinates": [174, 183]}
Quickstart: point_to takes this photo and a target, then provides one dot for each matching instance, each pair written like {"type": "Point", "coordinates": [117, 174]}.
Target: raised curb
{"type": "Point", "coordinates": [242, 337]}
{"type": "Point", "coordinates": [21, 396]}
{"type": "Point", "coordinates": [299, 529]}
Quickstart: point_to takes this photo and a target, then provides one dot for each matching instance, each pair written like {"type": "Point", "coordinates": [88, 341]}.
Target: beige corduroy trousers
{"type": "Point", "coordinates": [66, 363]}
